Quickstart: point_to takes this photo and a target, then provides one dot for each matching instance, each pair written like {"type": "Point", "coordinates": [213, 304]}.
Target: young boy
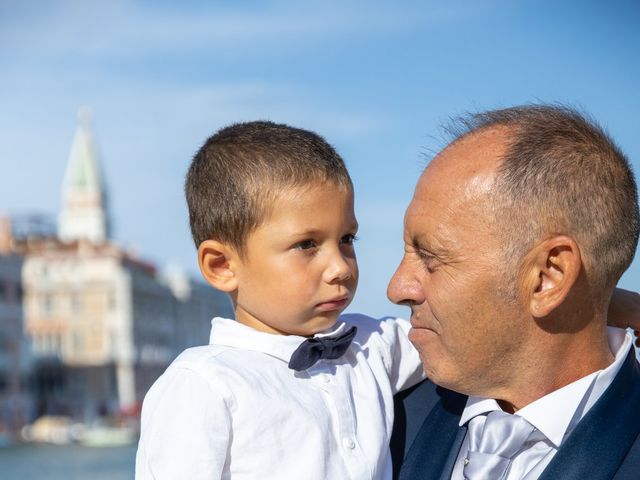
{"type": "Point", "coordinates": [271, 212]}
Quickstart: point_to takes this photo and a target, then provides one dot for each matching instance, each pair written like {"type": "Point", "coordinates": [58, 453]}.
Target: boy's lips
{"type": "Point", "coordinates": [334, 304]}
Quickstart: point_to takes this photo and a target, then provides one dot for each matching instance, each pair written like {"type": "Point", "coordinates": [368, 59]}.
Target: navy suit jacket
{"type": "Point", "coordinates": [605, 445]}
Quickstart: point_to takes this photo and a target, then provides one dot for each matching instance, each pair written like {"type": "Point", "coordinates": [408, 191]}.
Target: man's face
{"type": "Point", "coordinates": [452, 274]}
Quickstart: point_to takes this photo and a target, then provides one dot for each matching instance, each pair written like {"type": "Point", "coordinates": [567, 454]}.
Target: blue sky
{"type": "Point", "coordinates": [377, 79]}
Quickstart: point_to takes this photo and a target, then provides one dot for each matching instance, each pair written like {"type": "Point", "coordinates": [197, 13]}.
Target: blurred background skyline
{"type": "Point", "coordinates": [376, 79]}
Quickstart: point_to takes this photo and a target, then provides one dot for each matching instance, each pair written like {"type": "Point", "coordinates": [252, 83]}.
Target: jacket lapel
{"type": "Point", "coordinates": [434, 450]}
{"type": "Point", "coordinates": [600, 442]}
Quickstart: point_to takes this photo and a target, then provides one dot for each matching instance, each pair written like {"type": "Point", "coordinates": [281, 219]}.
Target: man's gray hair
{"type": "Point", "coordinates": [563, 174]}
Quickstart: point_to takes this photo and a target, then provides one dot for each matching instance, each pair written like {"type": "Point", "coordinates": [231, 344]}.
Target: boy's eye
{"type": "Point", "coordinates": [306, 245]}
{"type": "Point", "coordinates": [348, 239]}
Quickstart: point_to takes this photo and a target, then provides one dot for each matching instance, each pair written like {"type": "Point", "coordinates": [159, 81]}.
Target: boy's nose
{"type": "Point", "coordinates": [339, 270]}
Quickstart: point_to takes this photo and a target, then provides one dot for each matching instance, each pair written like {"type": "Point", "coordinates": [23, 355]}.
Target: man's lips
{"type": "Point", "coordinates": [334, 304]}
{"type": "Point", "coordinates": [416, 325]}
{"type": "Point", "coordinates": [420, 333]}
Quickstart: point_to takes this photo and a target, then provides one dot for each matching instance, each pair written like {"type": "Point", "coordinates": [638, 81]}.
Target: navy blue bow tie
{"type": "Point", "coordinates": [313, 349]}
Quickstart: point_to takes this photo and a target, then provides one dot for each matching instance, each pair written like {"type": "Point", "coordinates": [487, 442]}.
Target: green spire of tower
{"type": "Point", "coordinates": [84, 213]}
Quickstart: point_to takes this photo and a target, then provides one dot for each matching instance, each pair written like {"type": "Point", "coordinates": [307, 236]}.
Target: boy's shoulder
{"type": "Point", "coordinates": [215, 360]}
{"type": "Point", "coordinates": [207, 359]}
{"type": "Point", "coordinates": [361, 320]}
{"type": "Point", "coordinates": [370, 328]}
{"type": "Point", "coordinates": [199, 359]}
{"type": "Point", "coordinates": [218, 367]}
{"type": "Point", "coordinates": [364, 321]}
{"type": "Point", "coordinates": [200, 354]}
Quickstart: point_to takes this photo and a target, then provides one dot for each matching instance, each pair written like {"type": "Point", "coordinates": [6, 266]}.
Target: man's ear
{"type": "Point", "coordinates": [217, 263]}
{"type": "Point", "coordinates": [551, 269]}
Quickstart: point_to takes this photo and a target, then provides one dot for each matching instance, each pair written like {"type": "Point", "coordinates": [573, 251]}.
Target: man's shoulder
{"type": "Point", "coordinates": [411, 409]}
{"type": "Point", "coordinates": [416, 403]}
{"type": "Point", "coordinates": [631, 464]}
{"type": "Point", "coordinates": [606, 442]}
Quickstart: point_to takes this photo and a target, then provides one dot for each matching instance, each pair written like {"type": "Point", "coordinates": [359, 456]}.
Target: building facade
{"type": "Point", "coordinates": [16, 403]}
{"type": "Point", "coordinates": [103, 324]}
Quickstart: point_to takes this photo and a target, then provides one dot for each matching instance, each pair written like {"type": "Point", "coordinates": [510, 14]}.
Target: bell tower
{"type": "Point", "coordinates": [84, 213]}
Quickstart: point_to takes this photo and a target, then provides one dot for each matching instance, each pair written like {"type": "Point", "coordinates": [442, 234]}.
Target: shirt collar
{"type": "Point", "coordinates": [230, 333]}
{"type": "Point", "coordinates": [552, 414]}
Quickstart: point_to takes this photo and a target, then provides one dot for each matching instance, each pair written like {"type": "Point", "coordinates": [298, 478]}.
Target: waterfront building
{"type": "Point", "coordinates": [16, 404]}
{"type": "Point", "coordinates": [103, 323]}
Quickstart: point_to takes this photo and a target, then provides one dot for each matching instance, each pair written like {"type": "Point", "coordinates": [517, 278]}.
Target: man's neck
{"type": "Point", "coordinates": [555, 363]}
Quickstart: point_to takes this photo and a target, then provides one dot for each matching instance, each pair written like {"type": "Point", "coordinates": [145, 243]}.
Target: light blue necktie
{"type": "Point", "coordinates": [493, 445]}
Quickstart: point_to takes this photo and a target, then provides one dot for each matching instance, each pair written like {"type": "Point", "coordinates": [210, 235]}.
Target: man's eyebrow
{"type": "Point", "coordinates": [420, 242]}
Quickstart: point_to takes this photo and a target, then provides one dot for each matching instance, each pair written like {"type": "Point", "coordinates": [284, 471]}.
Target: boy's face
{"type": "Point", "coordinates": [299, 271]}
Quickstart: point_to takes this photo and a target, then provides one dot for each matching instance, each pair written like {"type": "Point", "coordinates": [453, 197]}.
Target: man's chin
{"type": "Point", "coordinates": [437, 372]}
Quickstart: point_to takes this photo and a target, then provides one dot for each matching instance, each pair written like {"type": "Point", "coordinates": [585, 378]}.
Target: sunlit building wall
{"type": "Point", "coordinates": [103, 323]}
{"type": "Point", "coordinates": [107, 324]}
{"type": "Point", "coordinates": [16, 404]}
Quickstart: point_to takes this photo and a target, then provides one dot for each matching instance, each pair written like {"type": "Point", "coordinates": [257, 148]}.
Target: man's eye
{"type": "Point", "coordinates": [306, 245]}
{"type": "Point", "coordinates": [429, 260]}
{"type": "Point", "coordinates": [348, 239]}
{"type": "Point", "coordinates": [425, 255]}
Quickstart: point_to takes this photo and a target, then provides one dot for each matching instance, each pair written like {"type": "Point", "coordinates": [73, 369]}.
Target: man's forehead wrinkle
{"type": "Point", "coordinates": [455, 195]}
{"type": "Point", "coordinates": [466, 172]}
{"type": "Point", "coordinates": [428, 224]}
{"type": "Point", "coordinates": [450, 196]}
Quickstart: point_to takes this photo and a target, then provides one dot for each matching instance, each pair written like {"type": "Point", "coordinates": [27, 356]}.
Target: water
{"type": "Point", "coordinates": [31, 462]}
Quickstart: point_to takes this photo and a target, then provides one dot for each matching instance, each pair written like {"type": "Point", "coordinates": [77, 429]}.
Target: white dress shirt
{"type": "Point", "coordinates": [234, 410]}
{"type": "Point", "coordinates": [554, 416]}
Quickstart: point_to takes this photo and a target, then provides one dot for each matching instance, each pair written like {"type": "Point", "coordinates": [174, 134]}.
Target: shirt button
{"type": "Point", "coordinates": [348, 443]}
{"type": "Point", "coordinates": [325, 378]}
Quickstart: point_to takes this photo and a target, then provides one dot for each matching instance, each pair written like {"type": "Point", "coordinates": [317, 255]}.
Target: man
{"type": "Point", "coordinates": [514, 240]}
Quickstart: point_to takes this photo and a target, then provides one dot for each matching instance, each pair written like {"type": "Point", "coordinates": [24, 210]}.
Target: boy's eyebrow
{"type": "Point", "coordinates": [302, 233]}
{"type": "Point", "coordinates": [314, 231]}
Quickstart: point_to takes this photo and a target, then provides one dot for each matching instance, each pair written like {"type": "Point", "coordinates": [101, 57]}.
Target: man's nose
{"type": "Point", "coordinates": [403, 288]}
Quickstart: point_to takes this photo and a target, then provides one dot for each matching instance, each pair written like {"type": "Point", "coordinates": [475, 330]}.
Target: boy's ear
{"type": "Point", "coordinates": [550, 271]}
{"type": "Point", "coordinates": [217, 264]}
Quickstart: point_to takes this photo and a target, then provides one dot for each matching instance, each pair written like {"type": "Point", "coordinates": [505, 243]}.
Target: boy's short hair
{"type": "Point", "coordinates": [239, 171]}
